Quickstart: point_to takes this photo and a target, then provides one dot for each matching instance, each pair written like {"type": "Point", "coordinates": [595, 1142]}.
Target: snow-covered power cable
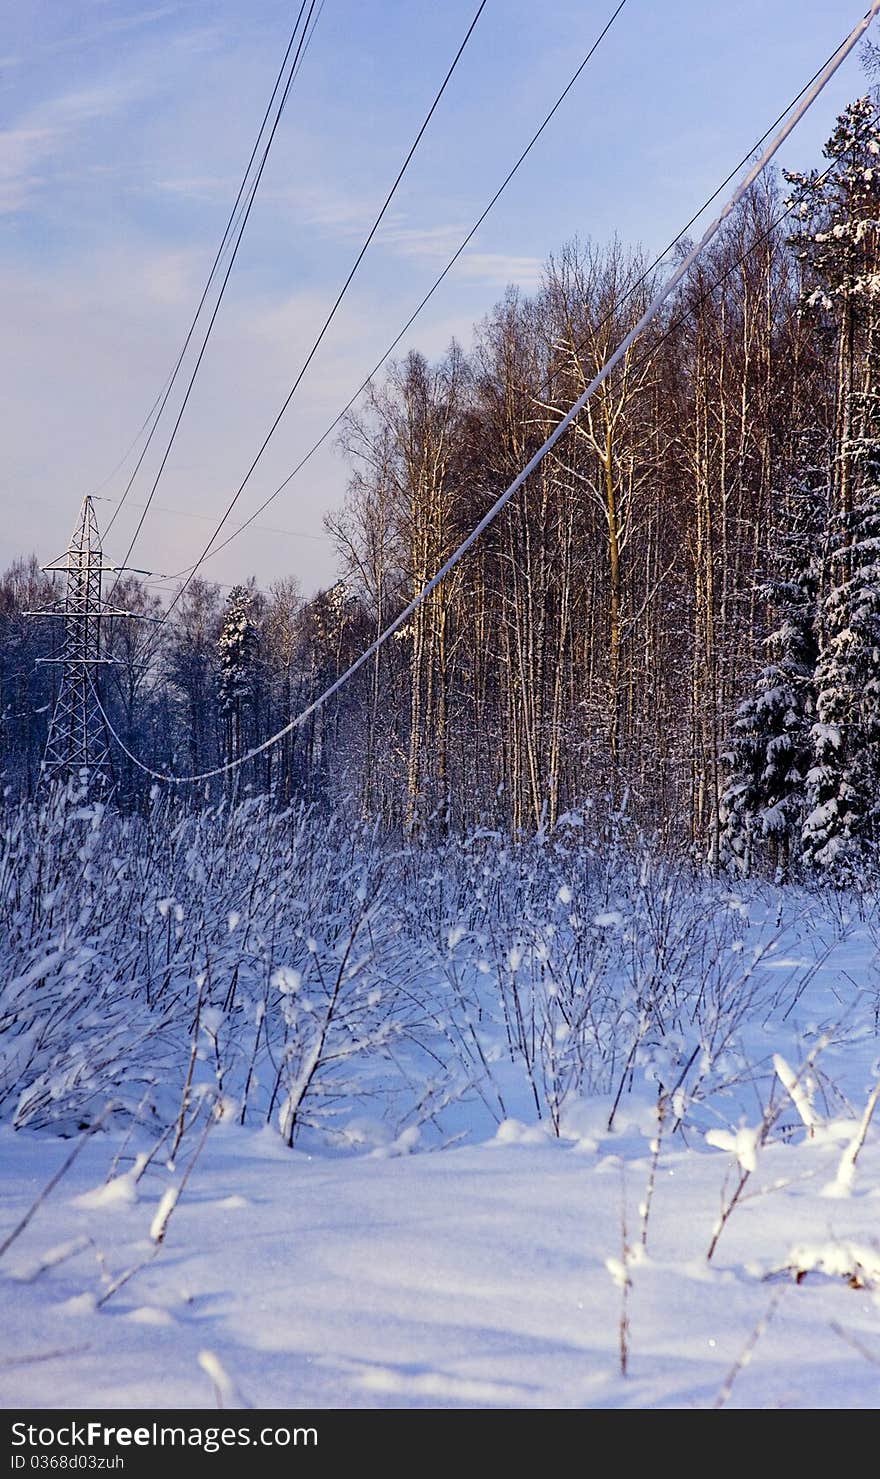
{"type": "Point", "coordinates": [461, 248]}
{"type": "Point", "coordinates": [559, 430]}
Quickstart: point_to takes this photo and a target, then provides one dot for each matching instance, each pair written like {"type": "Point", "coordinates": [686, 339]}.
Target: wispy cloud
{"type": "Point", "coordinates": [347, 217]}
{"type": "Point", "coordinates": [432, 242]}
{"type": "Point", "coordinates": [500, 268]}
{"type": "Point", "coordinates": [338, 212]}
{"type": "Point", "coordinates": [21, 150]}
{"type": "Point", "coordinates": [198, 39]}
{"type": "Point", "coordinates": [113, 26]}
{"type": "Point", "coordinates": [317, 207]}
{"type": "Point", "coordinates": [87, 103]}
{"type": "Point", "coordinates": [31, 150]}
{"type": "Point", "coordinates": [436, 244]}
{"type": "Point", "coordinates": [204, 188]}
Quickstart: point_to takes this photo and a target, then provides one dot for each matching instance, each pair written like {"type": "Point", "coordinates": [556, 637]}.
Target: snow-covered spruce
{"type": "Point", "coordinates": [763, 806]}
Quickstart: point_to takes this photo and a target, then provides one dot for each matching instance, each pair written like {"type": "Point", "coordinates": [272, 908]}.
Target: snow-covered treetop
{"type": "Point", "coordinates": [839, 211]}
{"type": "Point", "coordinates": [237, 645]}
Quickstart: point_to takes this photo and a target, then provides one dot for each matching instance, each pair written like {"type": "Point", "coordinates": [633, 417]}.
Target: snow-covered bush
{"type": "Point", "coordinates": [144, 956]}
{"type": "Point", "coordinates": [335, 983]}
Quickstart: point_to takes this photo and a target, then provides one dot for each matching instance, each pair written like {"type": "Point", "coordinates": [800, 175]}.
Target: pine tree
{"type": "Point", "coordinates": [844, 782]}
{"type": "Point", "coordinates": [839, 245]}
{"type": "Point", "coordinates": [770, 755]}
{"type": "Point", "coordinates": [838, 208]}
{"type": "Point", "coordinates": [237, 646]}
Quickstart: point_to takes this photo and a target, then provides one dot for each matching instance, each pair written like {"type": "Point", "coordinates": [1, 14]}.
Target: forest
{"type": "Point", "coordinates": [678, 616]}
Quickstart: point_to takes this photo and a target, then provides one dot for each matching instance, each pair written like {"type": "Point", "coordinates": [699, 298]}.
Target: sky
{"type": "Point", "coordinates": [124, 130]}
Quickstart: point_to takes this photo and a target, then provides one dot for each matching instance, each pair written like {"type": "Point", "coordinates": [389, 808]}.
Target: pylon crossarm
{"type": "Point", "coordinates": [86, 662]}
{"type": "Point", "coordinates": [105, 611]}
{"type": "Point", "coordinates": [83, 565]}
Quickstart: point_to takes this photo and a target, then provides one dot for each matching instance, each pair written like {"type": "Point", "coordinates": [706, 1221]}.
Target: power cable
{"type": "Point", "coordinates": [332, 314]}
{"type": "Point", "coordinates": [305, 36]}
{"type": "Point", "coordinates": [650, 312]}
{"type": "Point", "coordinates": [229, 228]}
{"type": "Point", "coordinates": [211, 552]}
{"type": "Point", "coordinates": [633, 288]}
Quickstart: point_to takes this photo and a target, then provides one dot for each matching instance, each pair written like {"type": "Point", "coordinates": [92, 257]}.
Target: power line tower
{"type": "Point", "coordinates": [78, 743]}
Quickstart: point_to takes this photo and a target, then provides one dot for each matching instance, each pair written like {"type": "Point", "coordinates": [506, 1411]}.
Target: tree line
{"type": "Point", "coordinates": [677, 617]}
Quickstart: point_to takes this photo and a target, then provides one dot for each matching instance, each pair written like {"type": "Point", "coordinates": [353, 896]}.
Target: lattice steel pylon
{"type": "Point", "coordinates": [78, 745]}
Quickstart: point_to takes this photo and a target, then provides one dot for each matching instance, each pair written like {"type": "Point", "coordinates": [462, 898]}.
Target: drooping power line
{"type": "Point", "coordinates": [618, 304]}
{"type": "Point", "coordinates": [650, 312]}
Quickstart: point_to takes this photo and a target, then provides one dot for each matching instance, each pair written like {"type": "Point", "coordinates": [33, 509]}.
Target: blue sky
{"type": "Point", "coordinates": [124, 128]}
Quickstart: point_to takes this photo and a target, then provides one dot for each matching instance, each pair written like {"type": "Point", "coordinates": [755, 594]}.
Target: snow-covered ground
{"type": "Point", "coordinates": [475, 1276]}
{"type": "Point", "coordinates": [420, 1025]}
